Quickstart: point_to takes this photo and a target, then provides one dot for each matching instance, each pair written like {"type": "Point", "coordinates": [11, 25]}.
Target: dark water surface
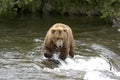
{"type": "Point", "coordinates": [97, 49]}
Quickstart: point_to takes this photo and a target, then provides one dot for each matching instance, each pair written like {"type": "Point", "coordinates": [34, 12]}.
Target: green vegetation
{"type": "Point", "coordinates": [108, 9]}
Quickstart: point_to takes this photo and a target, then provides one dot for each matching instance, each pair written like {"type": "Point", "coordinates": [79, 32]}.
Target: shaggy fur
{"type": "Point", "coordinates": [59, 38]}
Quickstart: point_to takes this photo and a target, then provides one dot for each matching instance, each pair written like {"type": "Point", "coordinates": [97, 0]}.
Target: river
{"type": "Point", "coordinates": [97, 52]}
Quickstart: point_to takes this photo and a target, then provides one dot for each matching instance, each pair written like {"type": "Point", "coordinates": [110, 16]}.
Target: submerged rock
{"type": "Point", "coordinates": [49, 63]}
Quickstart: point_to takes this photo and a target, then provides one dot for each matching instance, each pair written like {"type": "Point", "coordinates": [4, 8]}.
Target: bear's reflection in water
{"type": "Point", "coordinates": [49, 63]}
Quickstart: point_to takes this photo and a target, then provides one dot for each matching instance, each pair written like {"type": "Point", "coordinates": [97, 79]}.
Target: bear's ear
{"type": "Point", "coordinates": [52, 31]}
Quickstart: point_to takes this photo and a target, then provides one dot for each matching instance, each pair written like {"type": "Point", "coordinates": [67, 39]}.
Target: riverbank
{"type": "Point", "coordinates": [109, 10]}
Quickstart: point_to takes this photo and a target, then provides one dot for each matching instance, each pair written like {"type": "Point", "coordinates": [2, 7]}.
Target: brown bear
{"type": "Point", "coordinates": [59, 38]}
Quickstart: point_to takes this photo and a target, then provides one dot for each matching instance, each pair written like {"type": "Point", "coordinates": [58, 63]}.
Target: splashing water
{"type": "Point", "coordinates": [93, 63]}
{"type": "Point", "coordinates": [93, 67]}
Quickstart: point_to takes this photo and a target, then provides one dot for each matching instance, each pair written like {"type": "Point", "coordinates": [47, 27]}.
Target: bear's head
{"type": "Point", "coordinates": [59, 36]}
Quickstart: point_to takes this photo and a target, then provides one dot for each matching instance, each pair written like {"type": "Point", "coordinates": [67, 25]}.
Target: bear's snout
{"type": "Point", "coordinates": [59, 43]}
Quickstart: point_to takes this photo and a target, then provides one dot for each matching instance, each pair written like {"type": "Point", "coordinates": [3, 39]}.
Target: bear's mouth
{"type": "Point", "coordinates": [58, 49]}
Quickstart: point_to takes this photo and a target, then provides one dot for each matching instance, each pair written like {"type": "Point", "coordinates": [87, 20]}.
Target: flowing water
{"type": "Point", "coordinates": [21, 58]}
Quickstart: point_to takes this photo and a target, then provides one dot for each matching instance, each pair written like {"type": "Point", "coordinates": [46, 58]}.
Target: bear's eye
{"type": "Point", "coordinates": [65, 30]}
{"type": "Point", "coordinates": [53, 31]}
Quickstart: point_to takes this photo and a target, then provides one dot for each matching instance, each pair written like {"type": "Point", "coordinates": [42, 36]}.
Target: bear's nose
{"type": "Point", "coordinates": [60, 46]}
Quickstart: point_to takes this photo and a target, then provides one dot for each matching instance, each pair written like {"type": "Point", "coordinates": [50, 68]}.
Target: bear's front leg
{"type": "Point", "coordinates": [63, 54]}
{"type": "Point", "coordinates": [72, 49]}
{"type": "Point", "coordinates": [72, 52]}
{"type": "Point", "coordinates": [47, 54]}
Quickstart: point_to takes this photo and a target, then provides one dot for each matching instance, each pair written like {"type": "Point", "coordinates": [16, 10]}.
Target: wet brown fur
{"type": "Point", "coordinates": [59, 31]}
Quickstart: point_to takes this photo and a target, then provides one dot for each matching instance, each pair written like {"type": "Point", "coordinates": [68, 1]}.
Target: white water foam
{"type": "Point", "coordinates": [93, 75]}
{"type": "Point", "coordinates": [82, 63]}
{"type": "Point", "coordinates": [118, 30]}
{"type": "Point", "coordinates": [108, 55]}
{"type": "Point", "coordinates": [94, 67]}
{"type": "Point", "coordinates": [93, 63]}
